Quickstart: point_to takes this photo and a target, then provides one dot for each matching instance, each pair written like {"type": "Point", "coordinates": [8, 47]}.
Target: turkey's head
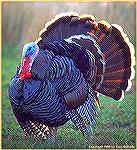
{"type": "Point", "coordinates": [30, 51]}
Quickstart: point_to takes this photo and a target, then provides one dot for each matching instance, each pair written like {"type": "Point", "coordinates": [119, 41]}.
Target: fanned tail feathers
{"type": "Point", "coordinates": [106, 43]}
{"type": "Point", "coordinates": [65, 25]}
{"type": "Point", "coordinates": [119, 58]}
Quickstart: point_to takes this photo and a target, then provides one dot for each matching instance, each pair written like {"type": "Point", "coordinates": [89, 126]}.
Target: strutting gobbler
{"type": "Point", "coordinates": [61, 73]}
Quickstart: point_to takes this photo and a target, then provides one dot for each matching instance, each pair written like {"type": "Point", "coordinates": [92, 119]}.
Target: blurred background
{"type": "Point", "coordinates": [21, 23]}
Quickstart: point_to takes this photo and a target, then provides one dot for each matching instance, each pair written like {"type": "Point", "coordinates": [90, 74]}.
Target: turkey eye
{"type": "Point", "coordinates": [29, 48]}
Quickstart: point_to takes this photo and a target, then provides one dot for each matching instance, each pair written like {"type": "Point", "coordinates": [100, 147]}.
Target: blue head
{"type": "Point", "coordinates": [30, 51]}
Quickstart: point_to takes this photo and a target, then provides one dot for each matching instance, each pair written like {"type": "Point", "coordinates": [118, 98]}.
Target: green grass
{"type": "Point", "coordinates": [115, 123]}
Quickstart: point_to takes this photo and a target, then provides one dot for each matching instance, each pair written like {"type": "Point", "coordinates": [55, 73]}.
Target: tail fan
{"type": "Point", "coordinates": [106, 44]}
{"type": "Point", "coordinates": [64, 26]}
{"type": "Point", "coordinates": [119, 58]}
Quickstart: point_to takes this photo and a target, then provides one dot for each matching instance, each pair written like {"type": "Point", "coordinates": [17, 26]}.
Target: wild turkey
{"type": "Point", "coordinates": [61, 73]}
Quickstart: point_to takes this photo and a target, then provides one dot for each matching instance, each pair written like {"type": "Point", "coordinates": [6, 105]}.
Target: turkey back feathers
{"type": "Point", "coordinates": [109, 54]}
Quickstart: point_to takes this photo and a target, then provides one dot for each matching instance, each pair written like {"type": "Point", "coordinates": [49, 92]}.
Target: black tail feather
{"type": "Point", "coordinates": [116, 84]}
{"type": "Point", "coordinates": [116, 94]}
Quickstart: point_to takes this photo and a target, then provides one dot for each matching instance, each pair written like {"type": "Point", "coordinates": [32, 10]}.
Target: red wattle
{"type": "Point", "coordinates": [26, 75]}
{"type": "Point", "coordinates": [25, 68]}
